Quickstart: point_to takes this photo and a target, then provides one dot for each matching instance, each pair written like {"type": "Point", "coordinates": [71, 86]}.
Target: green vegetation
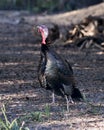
{"type": "Point", "coordinates": [37, 116]}
{"type": "Point", "coordinates": [36, 6]}
{"type": "Point", "coordinates": [7, 125]}
{"type": "Point", "coordinates": [18, 123]}
{"type": "Point", "coordinates": [48, 6]}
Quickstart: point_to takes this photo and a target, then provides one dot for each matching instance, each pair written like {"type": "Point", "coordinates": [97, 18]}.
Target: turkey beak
{"type": "Point", "coordinates": [38, 29]}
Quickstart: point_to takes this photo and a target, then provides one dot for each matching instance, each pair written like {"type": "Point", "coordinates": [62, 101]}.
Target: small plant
{"type": "Point", "coordinates": [47, 110]}
{"type": "Point", "coordinates": [36, 116]}
{"type": "Point", "coordinates": [32, 116]}
{"type": "Point", "coordinates": [7, 125]}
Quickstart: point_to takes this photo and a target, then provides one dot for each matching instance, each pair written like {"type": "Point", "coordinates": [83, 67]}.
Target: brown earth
{"type": "Point", "coordinates": [19, 87]}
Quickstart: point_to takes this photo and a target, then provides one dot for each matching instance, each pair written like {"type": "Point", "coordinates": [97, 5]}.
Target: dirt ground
{"type": "Point", "coordinates": [19, 87]}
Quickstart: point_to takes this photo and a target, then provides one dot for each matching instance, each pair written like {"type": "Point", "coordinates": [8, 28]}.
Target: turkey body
{"type": "Point", "coordinates": [55, 73]}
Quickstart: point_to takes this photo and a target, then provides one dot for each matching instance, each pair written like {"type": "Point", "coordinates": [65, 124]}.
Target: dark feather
{"type": "Point", "coordinates": [56, 74]}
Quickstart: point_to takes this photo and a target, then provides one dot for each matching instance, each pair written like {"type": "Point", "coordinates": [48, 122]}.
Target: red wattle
{"type": "Point", "coordinates": [43, 39]}
{"type": "Point", "coordinates": [43, 42]}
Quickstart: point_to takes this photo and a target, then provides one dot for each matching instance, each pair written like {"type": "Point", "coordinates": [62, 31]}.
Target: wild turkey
{"type": "Point", "coordinates": [54, 72]}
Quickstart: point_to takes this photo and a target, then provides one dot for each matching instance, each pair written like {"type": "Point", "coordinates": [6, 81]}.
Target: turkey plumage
{"type": "Point", "coordinates": [55, 73]}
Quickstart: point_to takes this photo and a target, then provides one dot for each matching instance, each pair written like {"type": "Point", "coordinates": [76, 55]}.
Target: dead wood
{"type": "Point", "coordinates": [88, 33]}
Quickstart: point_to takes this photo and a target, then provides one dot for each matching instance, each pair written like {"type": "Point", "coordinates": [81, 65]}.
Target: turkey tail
{"type": "Point", "coordinates": [76, 95]}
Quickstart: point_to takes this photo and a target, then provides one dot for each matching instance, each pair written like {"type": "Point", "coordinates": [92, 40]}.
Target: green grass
{"type": "Point", "coordinates": [36, 116]}
{"type": "Point", "coordinates": [5, 124]}
{"type": "Point", "coordinates": [32, 116]}
{"type": "Point", "coordinates": [47, 111]}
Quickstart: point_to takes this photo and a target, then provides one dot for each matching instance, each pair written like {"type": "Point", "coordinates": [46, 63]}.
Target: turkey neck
{"type": "Point", "coordinates": [44, 48]}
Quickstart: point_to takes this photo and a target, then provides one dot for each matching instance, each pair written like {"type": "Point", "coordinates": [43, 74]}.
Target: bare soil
{"type": "Point", "coordinates": [19, 87]}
